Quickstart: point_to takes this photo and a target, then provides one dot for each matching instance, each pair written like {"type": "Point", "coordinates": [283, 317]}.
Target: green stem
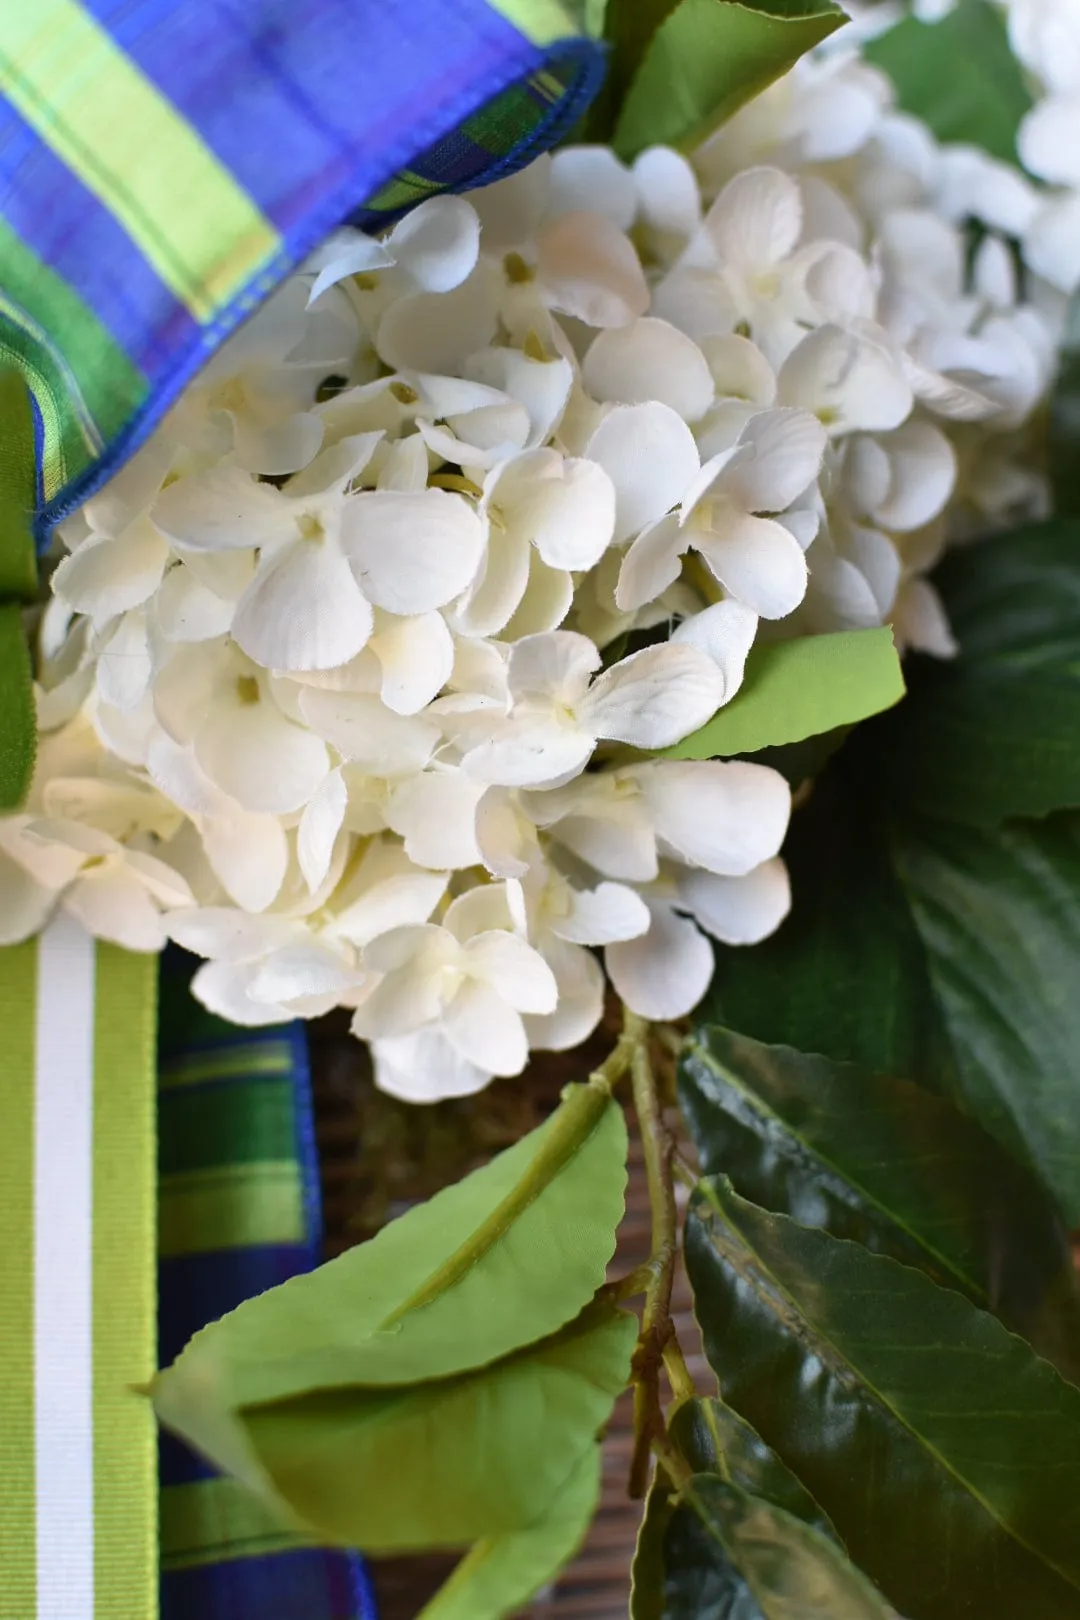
{"type": "Point", "coordinates": [569, 1127]}
{"type": "Point", "coordinates": [657, 1331]}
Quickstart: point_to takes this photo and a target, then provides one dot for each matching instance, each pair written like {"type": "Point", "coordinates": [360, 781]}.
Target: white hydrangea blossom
{"type": "Point", "coordinates": [351, 679]}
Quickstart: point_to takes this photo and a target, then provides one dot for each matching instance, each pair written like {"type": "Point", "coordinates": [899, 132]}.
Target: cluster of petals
{"type": "Point", "coordinates": [357, 680]}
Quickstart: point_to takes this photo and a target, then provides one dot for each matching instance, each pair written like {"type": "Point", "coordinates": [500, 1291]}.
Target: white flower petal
{"type": "Point", "coordinates": [249, 855]}
{"type": "Point", "coordinates": [650, 456]}
{"type": "Point", "coordinates": [653, 562]}
{"type": "Point", "coordinates": [739, 910]}
{"type": "Point", "coordinates": [425, 1068]}
{"type": "Point", "coordinates": [436, 332]}
{"type": "Point", "coordinates": [392, 894]}
{"type": "Point", "coordinates": [413, 553]}
{"type": "Point", "coordinates": [725, 632]}
{"type": "Point", "coordinates": [437, 243]}
{"type": "Point", "coordinates": [356, 256]}
{"type": "Point", "coordinates": [1050, 246]}
{"type": "Point", "coordinates": [849, 384]}
{"type": "Point", "coordinates": [112, 904]}
{"type": "Point", "coordinates": [186, 610]}
{"type": "Point", "coordinates": [363, 729]}
{"type": "Point", "coordinates": [106, 576]}
{"type": "Point", "coordinates": [739, 369]}
{"type": "Point", "coordinates": [923, 467]}
{"type": "Point", "coordinates": [498, 588]}
{"type": "Point", "coordinates": [920, 621]}
{"type": "Point", "coordinates": [322, 820]}
{"type": "Point", "coordinates": [665, 973]}
{"type": "Point", "coordinates": [725, 816]}
{"type": "Point", "coordinates": [593, 179]}
{"type": "Point", "coordinates": [223, 509]}
{"type": "Point", "coordinates": [649, 360]}
{"type": "Point", "coordinates": [580, 981]}
{"type": "Point", "coordinates": [510, 210]}
{"type": "Point", "coordinates": [563, 506]}
{"type": "Point", "coordinates": [655, 697]}
{"type": "Point", "coordinates": [530, 754]}
{"type": "Point", "coordinates": [261, 759]}
{"type": "Point", "coordinates": [756, 219]}
{"type": "Point", "coordinates": [759, 561]}
{"type": "Point", "coordinates": [1048, 140]}
{"type": "Point", "coordinates": [307, 968]}
{"type": "Point", "coordinates": [486, 1032]}
{"type": "Point", "coordinates": [516, 971]}
{"type": "Point", "coordinates": [559, 663]}
{"type": "Point", "coordinates": [416, 656]}
{"type": "Point", "coordinates": [542, 386]}
{"type": "Point", "coordinates": [667, 191]}
{"type": "Point", "coordinates": [602, 915]}
{"type": "Point", "coordinates": [124, 663]}
{"type": "Point", "coordinates": [787, 446]}
{"type": "Point", "coordinates": [590, 270]}
{"type": "Point", "coordinates": [548, 598]}
{"type": "Point", "coordinates": [280, 447]}
{"type": "Point", "coordinates": [303, 610]}
{"type": "Point", "coordinates": [224, 989]}
{"type": "Point", "coordinates": [435, 813]}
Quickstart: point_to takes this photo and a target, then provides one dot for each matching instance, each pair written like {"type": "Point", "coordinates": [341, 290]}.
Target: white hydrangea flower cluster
{"type": "Point", "coordinates": [352, 680]}
{"type": "Point", "coordinates": [1045, 37]}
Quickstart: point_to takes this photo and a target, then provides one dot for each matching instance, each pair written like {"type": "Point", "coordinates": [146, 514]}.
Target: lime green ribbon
{"type": "Point", "coordinates": [18, 585]}
{"type": "Point", "coordinates": [78, 1450]}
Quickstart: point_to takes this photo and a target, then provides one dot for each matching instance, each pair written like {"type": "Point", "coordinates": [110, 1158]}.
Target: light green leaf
{"type": "Point", "coordinates": [786, 1568]}
{"type": "Point", "coordinates": [501, 1573]}
{"type": "Point", "coordinates": [958, 75]}
{"type": "Point", "coordinates": [628, 28]}
{"type": "Point", "coordinates": [946, 1454]}
{"type": "Point", "coordinates": [890, 1165]}
{"type": "Point", "coordinates": [708, 58]}
{"type": "Point", "coordinates": [994, 734]}
{"type": "Point", "coordinates": [798, 689]}
{"type": "Point", "coordinates": [451, 1461]}
{"type": "Point", "coordinates": [504, 1257]}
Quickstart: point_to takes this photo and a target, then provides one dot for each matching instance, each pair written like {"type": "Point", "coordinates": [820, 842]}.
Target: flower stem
{"type": "Point", "coordinates": [656, 1345]}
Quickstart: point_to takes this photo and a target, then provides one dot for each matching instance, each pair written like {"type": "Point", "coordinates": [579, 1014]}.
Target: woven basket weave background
{"type": "Point", "coordinates": [375, 1160]}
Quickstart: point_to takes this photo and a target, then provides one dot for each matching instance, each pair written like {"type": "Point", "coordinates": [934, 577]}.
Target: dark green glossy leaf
{"type": "Point", "coordinates": [793, 690]}
{"type": "Point", "coordinates": [707, 59]}
{"type": "Point", "coordinates": [890, 1165]}
{"type": "Point", "coordinates": [444, 1463]}
{"type": "Point", "coordinates": [945, 1452]}
{"type": "Point", "coordinates": [1064, 434]}
{"type": "Point", "coordinates": [845, 974]}
{"type": "Point", "coordinates": [999, 915]}
{"type": "Point", "coordinates": [787, 1570]}
{"type": "Point", "coordinates": [994, 734]}
{"type": "Point", "coordinates": [958, 75]}
{"type": "Point", "coordinates": [715, 1440]}
{"type": "Point", "coordinates": [628, 28]}
{"type": "Point", "coordinates": [502, 1572]}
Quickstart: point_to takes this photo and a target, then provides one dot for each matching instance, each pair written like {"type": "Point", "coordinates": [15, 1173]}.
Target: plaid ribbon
{"type": "Point", "coordinates": [164, 163]}
{"type": "Point", "coordinates": [238, 1212]}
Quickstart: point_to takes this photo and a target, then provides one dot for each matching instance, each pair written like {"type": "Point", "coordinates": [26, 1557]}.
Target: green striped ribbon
{"type": "Point", "coordinates": [78, 1455]}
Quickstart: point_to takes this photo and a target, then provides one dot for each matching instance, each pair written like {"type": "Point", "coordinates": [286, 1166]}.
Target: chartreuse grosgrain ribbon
{"type": "Point", "coordinates": [78, 1451]}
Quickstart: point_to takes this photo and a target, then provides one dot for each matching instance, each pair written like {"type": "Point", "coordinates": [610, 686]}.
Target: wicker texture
{"type": "Point", "coordinates": [363, 1140]}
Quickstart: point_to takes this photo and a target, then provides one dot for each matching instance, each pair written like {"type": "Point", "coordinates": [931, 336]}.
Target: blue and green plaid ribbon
{"type": "Point", "coordinates": [164, 163]}
{"type": "Point", "coordinates": [238, 1212]}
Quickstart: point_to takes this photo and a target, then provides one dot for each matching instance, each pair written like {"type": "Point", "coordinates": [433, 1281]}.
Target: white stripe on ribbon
{"type": "Point", "coordinates": [63, 1272]}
